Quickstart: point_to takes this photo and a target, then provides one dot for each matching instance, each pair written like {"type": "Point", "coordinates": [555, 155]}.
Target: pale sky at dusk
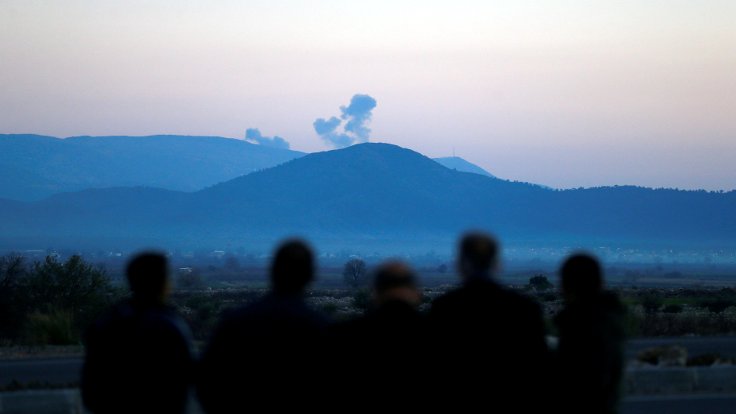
{"type": "Point", "coordinates": [562, 93]}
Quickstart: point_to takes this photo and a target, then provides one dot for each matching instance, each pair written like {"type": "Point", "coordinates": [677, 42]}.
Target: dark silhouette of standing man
{"type": "Point", "coordinates": [268, 354]}
{"type": "Point", "coordinates": [490, 340]}
{"type": "Point", "coordinates": [590, 350]}
{"type": "Point", "coordinates": [138, 356]}
{"type": "Point", "coordinates": [386, 349]}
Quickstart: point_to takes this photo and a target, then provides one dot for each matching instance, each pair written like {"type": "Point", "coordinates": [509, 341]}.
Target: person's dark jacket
{"type": "Point", "coordinates": [138, 358]}
{"type": "Point", "coordinates": [491, 347]}
{"type": "Point", "coordinates": [387, 352]}
{"type": "Point", "coordinates": [267, 354]}
{"type": "Point", "coordinates": [590, 354]}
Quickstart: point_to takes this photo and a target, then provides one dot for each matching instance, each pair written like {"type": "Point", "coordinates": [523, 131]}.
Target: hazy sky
{"type": "Point", "coordinates": [563, 93]}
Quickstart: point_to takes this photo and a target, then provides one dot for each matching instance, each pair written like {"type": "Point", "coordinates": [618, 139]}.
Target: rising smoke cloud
{"type": "Point", "coordinates": [357, 114]}
{"type": "Point", "coordinates": [254, 135]}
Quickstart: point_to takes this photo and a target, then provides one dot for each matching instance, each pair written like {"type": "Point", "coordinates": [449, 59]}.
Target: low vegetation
{"type": "Point", "coordinates": [51, 302]}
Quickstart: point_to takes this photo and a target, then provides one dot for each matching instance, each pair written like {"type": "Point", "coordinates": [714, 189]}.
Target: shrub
{"type": "Point", "coordinates": [329, 308]}
{"type": "Point", "coordinates": [74, 290]}
{"type": "Point", "coordinates": [540, 283]}
{"type": "Point", "coordinates": [362, 299]}
{"type": "Point", "coordinates": [12, 301]}
{"type": "Point", "coordinates": [54, 328]}
{"type": "Point", "coordinates": [704, 360]}
{"type": "Point", "coordinates": [717, 305]}
{"type": "Point", "coordinates": [548, 297]}
{"type": "Point", "coordinates": [651, 302]}
{"type": "Point", "coordinates": [672, 308]}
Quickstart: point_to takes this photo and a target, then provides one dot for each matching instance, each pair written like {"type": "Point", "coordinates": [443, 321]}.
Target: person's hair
{"type": "Point", "coordinates": [581, 275]}
{"type": "Point", "coordinates": [478, 253]}
{"type": "Point", "coordinates": [147, 275]}
{"type": "Point", "coordinates": [391, 275]}
{"type": "Point", "coordinates": [293, 267]}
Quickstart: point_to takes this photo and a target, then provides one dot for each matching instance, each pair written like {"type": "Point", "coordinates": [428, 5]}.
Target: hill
{"type": "Point", "coordinates": [459, 164]}
{"type": "Point", "coordinates": [369, 195]}
{"type": "Point", "coordinates": [34, 166]}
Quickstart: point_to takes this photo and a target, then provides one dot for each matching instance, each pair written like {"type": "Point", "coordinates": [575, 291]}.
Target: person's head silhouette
{"type": "Point", "coordinates": [148, 278]}
{"type": "Point", "coordinates": [477, 256]}
{"type": "Point", "coordinates": [292, 268]}
{"type": "Point", "coordinates": [581, 277]}
{"type": "Point", "coordinates": [395, 281]}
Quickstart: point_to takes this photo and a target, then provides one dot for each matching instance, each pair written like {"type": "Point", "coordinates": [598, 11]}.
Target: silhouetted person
{"type": "Point", "coordinates": [590, 350]}
{"type": "Point", "coordinates": [138, 356]}
{"type": "Point", "coordinates": [386, 348]}
{"type": "Point", "coordinates": [490, 340]}
{"type": "Point", "coordinates": [268, 354]}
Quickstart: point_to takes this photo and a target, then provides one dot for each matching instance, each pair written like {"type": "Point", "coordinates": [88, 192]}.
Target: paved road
{"type": "Point", "coordinates": [68, 402]}
{"type": "Point", "coordinates": [684, 404]}
{"type": "Point", "coordinates": [56, 371]}
{"type": "Point", "coordinates": [66, 370]}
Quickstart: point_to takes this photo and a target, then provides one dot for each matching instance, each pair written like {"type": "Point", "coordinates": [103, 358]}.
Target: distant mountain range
{"type": "Point", "coordinates": [459, 164]}
{"type": "Point", "coordinates": [34, 166]}
{"type": "Point", "coordinates": [367, 195]}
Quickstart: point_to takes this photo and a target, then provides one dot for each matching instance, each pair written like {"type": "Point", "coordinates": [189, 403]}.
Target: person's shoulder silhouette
{"type": "Point", "coordinates": [387, 347]}
{"type": "Point", "coordinates": [591, 336]}
{"type": "Point", "coordinates": [268, 347]}
{"type": "Point", "coordinates": [488, 331]}
{"type": "Point", "coordinates": [480, 300]}
{"type": "Point", "coordinates": [393, 316]}
{"type": "Point", "coordinates": [138, 356]}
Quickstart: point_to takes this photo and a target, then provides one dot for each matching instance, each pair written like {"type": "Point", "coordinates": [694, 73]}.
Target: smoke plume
{"type": "Point", "coordinates": [355, 130]}
{"type": "Point", "coordinates": [254, 135]}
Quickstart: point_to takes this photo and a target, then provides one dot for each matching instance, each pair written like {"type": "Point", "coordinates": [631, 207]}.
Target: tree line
{"type": "Point", "coordinates": [51, 301]}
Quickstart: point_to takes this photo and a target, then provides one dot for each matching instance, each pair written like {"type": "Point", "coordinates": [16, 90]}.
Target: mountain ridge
{"type": "Point", "coordinates": [462, 165]}
{"type": "Point", "coordinates": [35, 166]}
{"type": "Point", "coordinates": [42, 165]}
{"type": "Point", "coordinates": [373, 192]}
